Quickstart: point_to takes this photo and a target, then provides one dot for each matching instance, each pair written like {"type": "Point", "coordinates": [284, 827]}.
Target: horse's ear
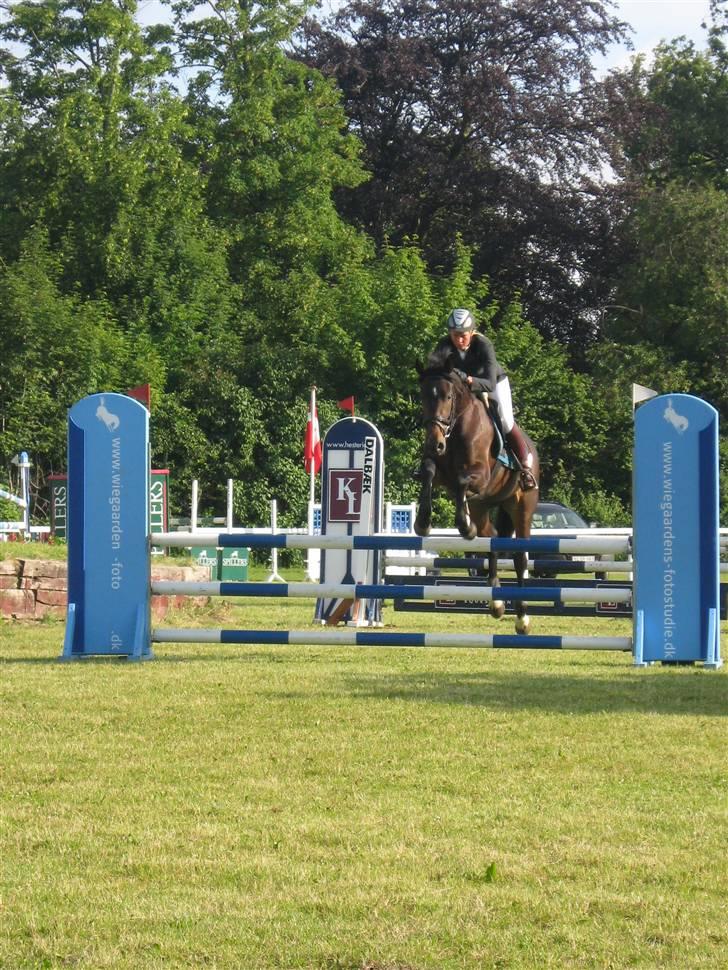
{"type": "Point", "coordinates": [419, 367]}
{"type": "Point", "coordinates": [447, 369]}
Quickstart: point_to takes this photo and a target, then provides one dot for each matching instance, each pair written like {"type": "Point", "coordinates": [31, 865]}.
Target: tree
{"type": "Point", "coordinates": [680, 100]}
{"type": "Point", "coordinates": [55, 349]}
{"type": "Point", "coordinates": [484, 120]}
{"type": "Point", "coordinates": [93, 157]}
{"type": "Point", "coordinates": [670, 301]}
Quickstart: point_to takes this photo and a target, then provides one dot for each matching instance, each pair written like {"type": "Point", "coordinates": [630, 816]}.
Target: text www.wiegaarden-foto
{"type": "Point", "coordinates": [115, 503]}
{"type": "Point", "coordinates": [668, 577]}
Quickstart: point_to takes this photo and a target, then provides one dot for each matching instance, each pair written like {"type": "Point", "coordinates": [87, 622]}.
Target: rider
{"type": "Point", "coordinates": [473, 354]}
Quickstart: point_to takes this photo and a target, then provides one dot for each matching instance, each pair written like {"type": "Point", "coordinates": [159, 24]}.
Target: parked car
{"type": "Point", "coordinates": [554, 515]}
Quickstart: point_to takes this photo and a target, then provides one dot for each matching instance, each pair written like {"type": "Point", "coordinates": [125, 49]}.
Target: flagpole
{"type": "Point", "coordinates": [312, 473]}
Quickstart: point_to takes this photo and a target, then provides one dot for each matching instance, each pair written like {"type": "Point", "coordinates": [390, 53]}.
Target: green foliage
{"type": "Point", "coordinates": [685, 97]}
{"type": "Point", "coordinates": [555, 405]}
{"type": "Point", "coordinates": [55, 349]}
{"type": "Point", "coordinates": [192, 239]}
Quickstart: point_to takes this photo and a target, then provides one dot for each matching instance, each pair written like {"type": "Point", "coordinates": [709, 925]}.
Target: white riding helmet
{"type": "Point", "coordinates": [461, 321]}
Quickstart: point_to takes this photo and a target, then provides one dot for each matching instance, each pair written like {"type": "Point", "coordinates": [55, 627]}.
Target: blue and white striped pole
{"type": "Point", "coordinates": [363, 638]}
{"type": "Point", "coordinates": [346, 591]}
{"type": "Point", "coordinates": [433, 543]}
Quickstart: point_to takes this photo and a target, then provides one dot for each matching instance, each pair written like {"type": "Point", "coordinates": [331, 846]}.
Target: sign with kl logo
{"type": "Point", "coordinates": [345, 492]}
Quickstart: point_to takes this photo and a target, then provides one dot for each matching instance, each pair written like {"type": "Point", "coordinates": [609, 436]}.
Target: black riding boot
{"type": "Point", "coordinates": [523, 456]}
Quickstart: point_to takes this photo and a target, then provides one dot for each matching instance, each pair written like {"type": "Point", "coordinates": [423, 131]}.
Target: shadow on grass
{"type": "Point", "coordinates": [578, 687]}
{"type": "Point", "coordinates": [680, 691]}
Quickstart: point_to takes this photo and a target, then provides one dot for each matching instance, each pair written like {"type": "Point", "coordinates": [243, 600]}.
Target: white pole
{"type": "Point", "coordinates": [22, 500]}
{"type": "Point", "coordinates": [313, 557]}
{"type": "Point", "coordinates": [274, 576]}
{"type": "Point", "coordinates": [25, 489]}
{"type": "Point", "coordinates": [193, 508]}
{"type": "Point", "coordinates": [229, 515]}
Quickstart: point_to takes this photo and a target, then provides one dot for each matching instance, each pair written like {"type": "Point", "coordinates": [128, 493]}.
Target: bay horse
{"type": "Point", "coordinates": [461, 455]}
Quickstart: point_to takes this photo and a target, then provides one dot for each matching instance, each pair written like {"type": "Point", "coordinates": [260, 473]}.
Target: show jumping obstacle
{"type": "Point", "coordinates": [675, 545]}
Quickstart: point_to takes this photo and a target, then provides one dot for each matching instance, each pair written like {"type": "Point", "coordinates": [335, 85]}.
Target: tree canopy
{"type": "Point", "coordinates": [242, 201]}
{"type": "Point", "coordinates": [483, 121]}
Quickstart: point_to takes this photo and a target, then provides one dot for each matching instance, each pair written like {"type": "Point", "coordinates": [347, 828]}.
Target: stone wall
{"type": "Point", "coordinates": [33, 588]}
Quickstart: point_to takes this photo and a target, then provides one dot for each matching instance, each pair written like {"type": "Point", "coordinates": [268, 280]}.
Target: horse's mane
{"type": "Point", "coordinates": [445, 372]}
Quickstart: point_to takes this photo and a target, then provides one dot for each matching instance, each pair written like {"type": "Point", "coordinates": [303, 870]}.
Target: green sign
{"type": "Point", "coordinates": [158, 509]}
{"type": "Point", "coordinates": [59, 505]}
{"type": "Point", "coordinates": [233, 564]}
{"type": "Point", "coordinates": [224, 564]}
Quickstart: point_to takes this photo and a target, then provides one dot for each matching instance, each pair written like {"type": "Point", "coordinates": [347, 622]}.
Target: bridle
{"type": "Point", "coordinates": [445, 425]}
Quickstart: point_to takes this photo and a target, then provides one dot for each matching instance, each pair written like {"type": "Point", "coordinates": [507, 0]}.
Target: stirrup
{"type": "Point", "coordinates": [527, 481]}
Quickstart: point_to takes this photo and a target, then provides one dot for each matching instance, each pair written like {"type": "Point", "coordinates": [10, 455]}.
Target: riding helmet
{"type": "Point", "coordinates": [461, 321]}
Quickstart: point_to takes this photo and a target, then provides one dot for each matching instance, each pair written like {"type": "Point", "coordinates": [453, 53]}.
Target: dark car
{"type": "Point", "coordinates": [554, 515]}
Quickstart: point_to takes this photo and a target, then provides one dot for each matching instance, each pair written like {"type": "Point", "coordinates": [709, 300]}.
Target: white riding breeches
{"type": "Point", "coordinates": [502, 395]}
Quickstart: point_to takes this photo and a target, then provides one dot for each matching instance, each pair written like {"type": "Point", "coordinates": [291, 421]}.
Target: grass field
{"type": "Point", "coordinates": [294, 807]}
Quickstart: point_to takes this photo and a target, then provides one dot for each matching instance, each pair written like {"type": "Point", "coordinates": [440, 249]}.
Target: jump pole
{"type": "Point", "coordinates": [676, 554]}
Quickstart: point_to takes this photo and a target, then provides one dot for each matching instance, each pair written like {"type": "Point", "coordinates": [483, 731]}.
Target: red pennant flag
{"type": "Point", "coordinates": [312, 453]}
{"type": "Point", "coordinates": [347, 405]}
{"type": "Point", "coordinates": [142, 393]}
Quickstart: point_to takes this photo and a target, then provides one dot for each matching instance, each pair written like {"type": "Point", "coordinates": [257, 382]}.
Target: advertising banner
{"type": "Point", "coordinates": [676, 543]}
{"type": "Point", "coordinates": [108, 512]}
{"type": "Point", "coordinates": [352, 501]}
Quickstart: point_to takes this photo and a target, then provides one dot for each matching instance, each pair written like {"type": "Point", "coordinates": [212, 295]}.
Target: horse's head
{"type": "Point", "coordinates": [442, 390]}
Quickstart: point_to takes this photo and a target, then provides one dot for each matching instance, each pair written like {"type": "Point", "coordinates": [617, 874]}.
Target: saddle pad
{"type": "Point", "coordinates": [504, 456]}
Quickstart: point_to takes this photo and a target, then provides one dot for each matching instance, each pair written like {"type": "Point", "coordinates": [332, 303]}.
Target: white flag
{"type": "Point", "coordinates": [640, 394]}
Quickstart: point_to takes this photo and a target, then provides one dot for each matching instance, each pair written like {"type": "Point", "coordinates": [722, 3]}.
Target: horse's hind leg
{"type": "Point", "coordinates": [523, 620]}
{"type": "Point", "coordinates": [486, 530]}
{"type": "Point", "coordinates": [423, 521]}
{"type": "Point", "coordinates": [520, 562]}
{"type": "Point", "coordinates": [497, 607]}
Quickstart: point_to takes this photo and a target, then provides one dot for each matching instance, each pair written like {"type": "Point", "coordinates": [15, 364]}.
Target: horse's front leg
{"type": "Point", "coordinates": [523, 620]}
{"type": "Point", "coordinates": [463, 521]}
{"type": "Point", "coordinates": [423, 520]}
{"type": "Point", "coordinates": [473, 480]}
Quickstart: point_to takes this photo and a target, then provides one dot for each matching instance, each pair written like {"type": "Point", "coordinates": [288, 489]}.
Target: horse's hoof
{"type": "Point", "coordinates": [523, 624]}
{"type": "Point", "coordinates": [421, 530]}
{"type": "Point", "coordinates": [497, 609]}
{"type": "Point", "coordinates": [467, 531]}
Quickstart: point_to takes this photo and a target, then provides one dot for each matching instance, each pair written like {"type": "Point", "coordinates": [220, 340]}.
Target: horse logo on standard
{"type": "Point", "coordinates": [678, 421]}
{"type": "Point", "coordinates": [110, 419]}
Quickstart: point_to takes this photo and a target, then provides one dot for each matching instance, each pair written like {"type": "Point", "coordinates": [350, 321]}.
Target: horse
{"type": "Point", "coordinates": [461, 455]}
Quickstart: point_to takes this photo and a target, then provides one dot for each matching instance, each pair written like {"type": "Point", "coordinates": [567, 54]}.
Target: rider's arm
{"type": "Point", "coordinates": [485, 372]}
